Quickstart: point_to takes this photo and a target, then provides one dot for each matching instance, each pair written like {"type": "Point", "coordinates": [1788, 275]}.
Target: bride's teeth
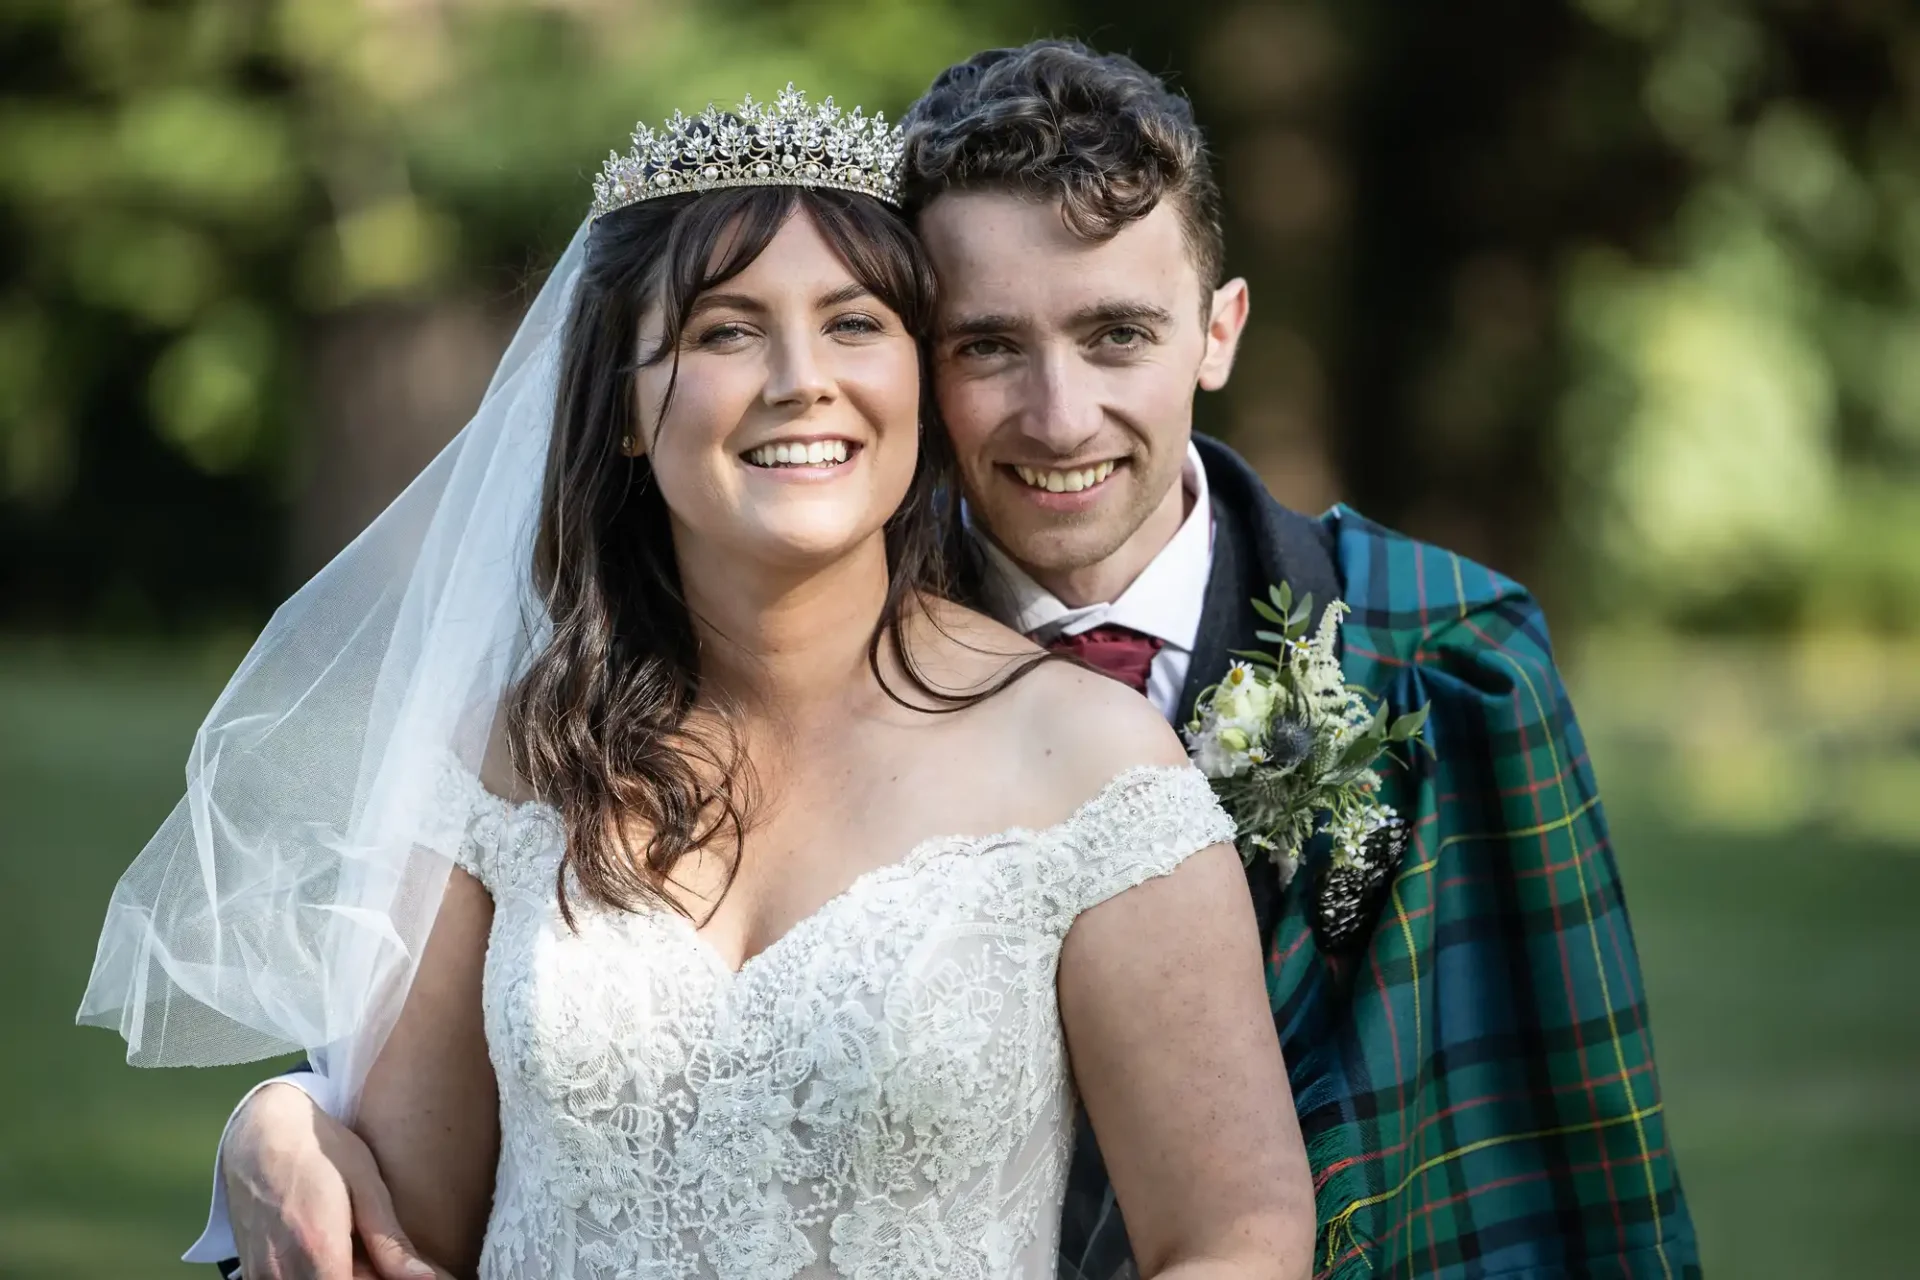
{"type": "Point", "coordinates": [819, 453]}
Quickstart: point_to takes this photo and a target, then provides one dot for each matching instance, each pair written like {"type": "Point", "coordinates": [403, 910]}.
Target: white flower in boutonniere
{"type": "Point", "coordinates": [1290, 746]}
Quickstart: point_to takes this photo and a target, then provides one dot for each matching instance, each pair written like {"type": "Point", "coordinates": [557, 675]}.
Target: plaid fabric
{"type": "Point", "coordinates": [1476, 1079]}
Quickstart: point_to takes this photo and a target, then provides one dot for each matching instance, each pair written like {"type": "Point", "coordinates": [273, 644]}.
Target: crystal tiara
{"type": "Point", "coordinates": [789, 144]}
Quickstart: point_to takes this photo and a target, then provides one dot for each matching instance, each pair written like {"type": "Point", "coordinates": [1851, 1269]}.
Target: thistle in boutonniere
{"type": "Point", "coordinates": [1290, 748]}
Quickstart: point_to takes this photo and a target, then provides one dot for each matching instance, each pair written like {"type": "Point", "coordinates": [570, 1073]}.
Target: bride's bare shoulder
{"type": "Point", "coordinates": [1085, 727]}
{"type": "Point", "coordinates": [1057, 728]}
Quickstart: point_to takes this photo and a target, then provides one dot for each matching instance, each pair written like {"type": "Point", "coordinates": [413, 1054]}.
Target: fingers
{"type": "Point", "coordinates": [374, 1221]}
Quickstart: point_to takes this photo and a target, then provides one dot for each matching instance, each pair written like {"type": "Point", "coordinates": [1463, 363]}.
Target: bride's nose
{"type": "Point", "coordinates": [796, 375]}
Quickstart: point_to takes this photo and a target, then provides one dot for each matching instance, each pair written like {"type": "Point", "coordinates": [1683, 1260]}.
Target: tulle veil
{"type": "Point", "coordinates": [285, 901]}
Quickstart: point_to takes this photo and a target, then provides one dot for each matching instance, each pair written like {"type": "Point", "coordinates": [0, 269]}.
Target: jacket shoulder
{"type": "Point", "coordinates": [1415, 603]}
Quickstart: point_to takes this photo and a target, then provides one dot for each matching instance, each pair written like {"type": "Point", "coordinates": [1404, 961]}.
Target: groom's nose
{"type": "Point", "coordinates": [1062, 412]}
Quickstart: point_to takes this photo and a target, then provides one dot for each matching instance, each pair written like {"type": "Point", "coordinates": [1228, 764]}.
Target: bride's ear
{"type": "Point", "coordinates": [633, 436]}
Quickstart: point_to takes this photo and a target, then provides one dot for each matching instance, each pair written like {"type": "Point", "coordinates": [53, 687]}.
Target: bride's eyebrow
{"type": "Point", "coordinates": [715, 301]}
{"type": "Point", "coordinates": [847, 292]}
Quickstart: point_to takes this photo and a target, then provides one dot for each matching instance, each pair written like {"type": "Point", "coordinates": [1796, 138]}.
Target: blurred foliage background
{"type": "Point", "coordinates": [1620, 296]}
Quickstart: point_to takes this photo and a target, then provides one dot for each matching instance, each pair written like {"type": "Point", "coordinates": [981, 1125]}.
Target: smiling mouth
{"type": "Point", "coordinates": [801, 453]}
{"type": "Point", "coordinates": [1064, 480]}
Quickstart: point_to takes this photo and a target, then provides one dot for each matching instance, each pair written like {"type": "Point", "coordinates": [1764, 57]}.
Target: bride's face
{"type": "Point", "coordinates": [790, 433]}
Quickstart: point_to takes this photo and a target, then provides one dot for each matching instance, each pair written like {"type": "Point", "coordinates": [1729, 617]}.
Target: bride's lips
{"type": "Point", "coordinates": [814, 457]}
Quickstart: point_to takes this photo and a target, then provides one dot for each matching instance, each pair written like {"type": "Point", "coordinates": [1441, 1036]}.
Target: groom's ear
{"type": "Point", "coordinates": [1226, 321]}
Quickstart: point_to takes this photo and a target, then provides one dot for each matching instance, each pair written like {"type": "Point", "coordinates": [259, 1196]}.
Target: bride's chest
{"type": "Point", "coordinates": [919, 984]}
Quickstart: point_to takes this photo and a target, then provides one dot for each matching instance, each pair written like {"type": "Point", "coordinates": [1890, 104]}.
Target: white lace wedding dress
{"type": "Point", "coordinates": [883, 1092]}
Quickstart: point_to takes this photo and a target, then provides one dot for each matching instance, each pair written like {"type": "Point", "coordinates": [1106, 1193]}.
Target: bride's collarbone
{"type": "Point", "coordinates": [816, 838]}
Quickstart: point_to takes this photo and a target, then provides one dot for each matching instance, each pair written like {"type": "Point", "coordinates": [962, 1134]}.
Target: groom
{"type": "Point", "coordinates": [1463, 1021]}
{"type": "Point", "coordinates": [1465, 1026]}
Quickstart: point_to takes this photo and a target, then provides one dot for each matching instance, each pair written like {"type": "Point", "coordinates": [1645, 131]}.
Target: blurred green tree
{"type": "Point", "coordinates": [218, 217]}
{"type": "Point", "coordinates": [1622, 296]}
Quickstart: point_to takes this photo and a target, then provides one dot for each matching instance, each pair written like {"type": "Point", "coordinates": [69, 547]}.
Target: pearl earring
{"type": "Point", "coordinates": [626, 444]}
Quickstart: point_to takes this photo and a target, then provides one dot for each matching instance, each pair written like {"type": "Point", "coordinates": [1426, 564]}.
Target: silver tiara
{"type": "Point", "coordinates": [789, 144]}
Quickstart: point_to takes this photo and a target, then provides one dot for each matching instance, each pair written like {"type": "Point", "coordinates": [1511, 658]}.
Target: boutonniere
{"type": "Point", "coordinates": [1290, 748]}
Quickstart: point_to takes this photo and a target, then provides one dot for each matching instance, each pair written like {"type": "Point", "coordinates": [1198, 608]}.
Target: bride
{"type": "Point", "coordinates": [666, 877]}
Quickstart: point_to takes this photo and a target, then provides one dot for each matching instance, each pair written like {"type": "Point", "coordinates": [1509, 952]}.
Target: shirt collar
{"type": "Point", "coordinates": [1165, 601]}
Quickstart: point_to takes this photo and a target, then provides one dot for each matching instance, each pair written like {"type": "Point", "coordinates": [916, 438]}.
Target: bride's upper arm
{"type": "Point", "coordinates": [429, 1111]}
{"type": "Point", "coordinates": [1172, 1043]}
{"type": "Point", "coordinates": [1174, 1052]}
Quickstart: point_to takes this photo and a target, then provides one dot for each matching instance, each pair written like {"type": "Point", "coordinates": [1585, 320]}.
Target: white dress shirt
{"type": "Point", "coordinates": [1165, 602]}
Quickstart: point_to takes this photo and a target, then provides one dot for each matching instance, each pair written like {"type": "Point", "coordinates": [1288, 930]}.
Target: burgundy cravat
{"type": "Point", "coordinates": [1120, 652]}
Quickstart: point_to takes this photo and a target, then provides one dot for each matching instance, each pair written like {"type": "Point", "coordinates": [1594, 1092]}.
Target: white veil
{"type": "Point", "coordinates": [285, 901]}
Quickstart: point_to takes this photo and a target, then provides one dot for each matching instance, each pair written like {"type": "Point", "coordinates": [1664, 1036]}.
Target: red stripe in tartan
{"type": "Point", "coordinates": [1393, 1031]}
{"type": "Point", "coordinates": [1582, 859]}
{"type": "Point", "coordinates": [1560, 942]}
{"type": "Point", "coordinates": [1280, 958]}
{"type": "Point", "coordinates": [1385, 660]}
{"type": "Point", "coordinates": [1461, 1197]}
{"type": "Point", "coordinates": [1518, 1095]}
{"type": "Point", "coordinates": [1577, 766]}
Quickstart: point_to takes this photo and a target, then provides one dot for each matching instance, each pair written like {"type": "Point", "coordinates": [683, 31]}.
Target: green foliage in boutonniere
{"type": "Point", "coordinates": [1290, 746]}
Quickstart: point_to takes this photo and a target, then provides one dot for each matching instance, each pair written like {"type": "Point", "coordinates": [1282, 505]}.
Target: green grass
{"type": "Point", "coordinates": [1782, 972]}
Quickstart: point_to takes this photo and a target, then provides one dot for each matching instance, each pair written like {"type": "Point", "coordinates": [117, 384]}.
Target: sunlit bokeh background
{"type": "Point", "coordinates": [1620, 296]}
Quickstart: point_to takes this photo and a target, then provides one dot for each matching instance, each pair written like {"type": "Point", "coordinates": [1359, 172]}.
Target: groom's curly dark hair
{"type": "Point", "coordinates": [1055, 120]}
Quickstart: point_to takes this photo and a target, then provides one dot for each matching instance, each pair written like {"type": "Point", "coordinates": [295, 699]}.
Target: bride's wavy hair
{"type": "Point", "coordinates": [599, 726]}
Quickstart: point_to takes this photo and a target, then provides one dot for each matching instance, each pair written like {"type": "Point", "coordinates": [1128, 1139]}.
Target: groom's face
{"type": "Point", "coordinates": [1065, 371]}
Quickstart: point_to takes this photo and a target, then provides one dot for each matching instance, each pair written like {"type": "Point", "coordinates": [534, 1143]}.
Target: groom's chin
{"type": "Point", "coordinates": [1048, 543]}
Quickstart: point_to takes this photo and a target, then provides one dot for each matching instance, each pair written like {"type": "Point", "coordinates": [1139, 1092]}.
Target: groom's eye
{"type": "Point", "coordinates": [1125, 335]}
{"type": "Point", "coordinates": [980, 348]}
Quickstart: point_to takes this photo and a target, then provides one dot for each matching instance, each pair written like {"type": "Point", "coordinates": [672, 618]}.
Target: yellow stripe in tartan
{"type": "Point", "coordinates": [1419, 1027]}
{"type": "Point", "coordinates": [1413, 962]}
{"type": "Point", "coordinates": [1344, 1219]}
{"type": "Point", "coordinates": [1599, 966]}
{"type": "Point", "coordinates": [1514, 833]}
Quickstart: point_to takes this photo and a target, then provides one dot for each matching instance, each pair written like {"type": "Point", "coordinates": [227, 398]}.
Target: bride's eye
{"type": "Point", "coordinates": [856, 325]}
{"type": "Point", "coordinates": [721, 335]}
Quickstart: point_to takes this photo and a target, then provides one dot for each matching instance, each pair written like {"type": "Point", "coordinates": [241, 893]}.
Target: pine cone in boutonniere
{"type": "Point", "coordinates": [1348, 895]}
{"type": "Point", "coordinates": [1290, 747]}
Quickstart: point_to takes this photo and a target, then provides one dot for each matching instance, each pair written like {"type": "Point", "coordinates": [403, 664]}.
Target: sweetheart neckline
{"type": "Point", "coordinates": [921, 852]}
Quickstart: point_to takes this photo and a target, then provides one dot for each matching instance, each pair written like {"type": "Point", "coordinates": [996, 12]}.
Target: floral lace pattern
{"type": "Point", "coordinates": [881, 1093]}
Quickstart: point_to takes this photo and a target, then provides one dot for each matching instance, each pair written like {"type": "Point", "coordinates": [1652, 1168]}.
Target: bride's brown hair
{"type": "Point", "coordinates": [599, 725]}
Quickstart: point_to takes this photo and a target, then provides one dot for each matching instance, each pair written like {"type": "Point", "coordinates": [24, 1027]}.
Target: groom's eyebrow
{"type": "Point", "coordinates": [1119, 311]}
{"type": "Point", "coordinates": [984, 325]}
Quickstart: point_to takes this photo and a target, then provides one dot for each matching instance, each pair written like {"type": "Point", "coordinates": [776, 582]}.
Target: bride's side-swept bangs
{"type": "Point", "coordinates": [713, 237]}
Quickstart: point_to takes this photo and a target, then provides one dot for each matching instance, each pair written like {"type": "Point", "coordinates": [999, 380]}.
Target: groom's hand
{"type": "Point", "coordinates": [306, 1199]}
